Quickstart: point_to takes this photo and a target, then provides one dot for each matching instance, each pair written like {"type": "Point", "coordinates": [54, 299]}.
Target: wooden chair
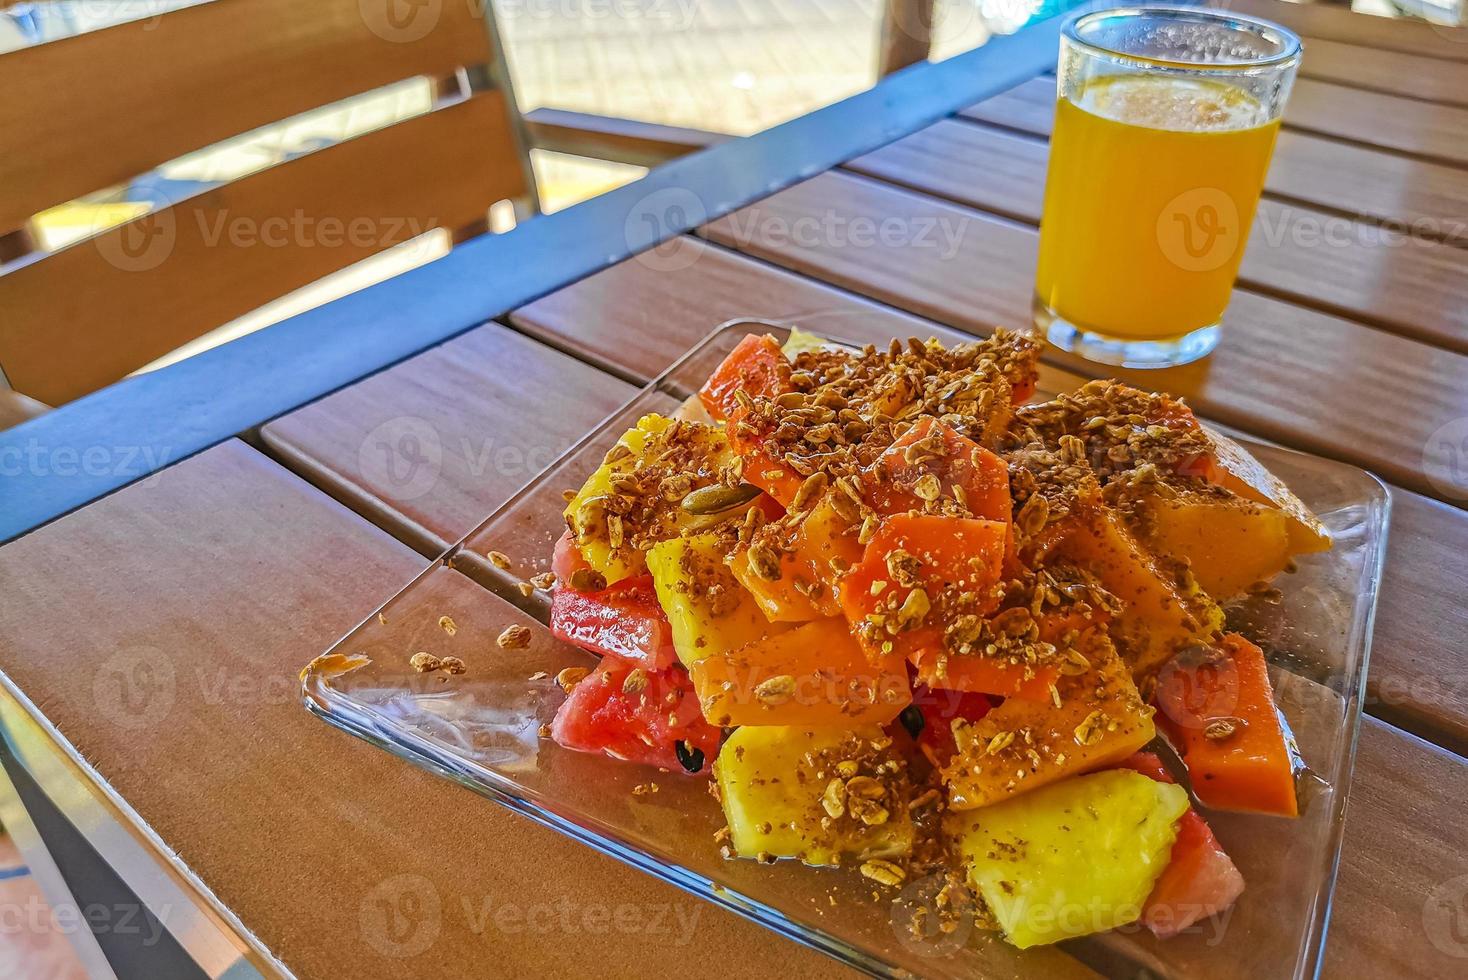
{"type": "Point", "coordinates": [97, 109]}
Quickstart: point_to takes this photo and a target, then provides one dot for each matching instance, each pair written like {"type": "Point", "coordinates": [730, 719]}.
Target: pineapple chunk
{"type": "Point", "coordinates": [1074, 858]}
{"type": "Point", "coordinates": [1159, 615]}
{"type": "Point", "coordinates": [1023, 745]}
{"type": "Point", "coordinates": [1230, 543]}
{"type": "Point", "coordinates": [784, 795]}
{"type": "Point", "coordinates": [1240, 472]}
{"type": "Point", "coordinates": [587, 516]}
{"type": "Point", "coordinates": [801, 341]}
{"type": "Point", "coordinates": [710, 612]}
{"type": "Point", "coordinates": [815, 674]}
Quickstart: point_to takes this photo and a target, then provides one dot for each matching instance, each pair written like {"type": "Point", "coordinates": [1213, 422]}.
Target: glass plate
{"type": "Point", "coordinates": [480, 729]}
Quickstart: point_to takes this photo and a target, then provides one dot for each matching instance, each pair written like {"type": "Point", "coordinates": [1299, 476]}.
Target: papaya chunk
{"type": "Point", "coordinates": [1096, 720]}
{"type": "Point", "coordinates": [814, 675]}
{"type": "Point", "coordinates": [1237, 470]}
{"type": "Point", "coordinates": [755, 366]}
{"type": "Point", "coordinates": [1159, 615]}
{"type": "Point", "coordinates": [812, 554]}
{"type": "Point", "coordinates": [922, 581]}
{"type": "Point", "coordinates": [1217, 707]}
{"type": "Point", "coordinates": [1230, 543]}
{"type": "Point", "coordinates": [966, 473]}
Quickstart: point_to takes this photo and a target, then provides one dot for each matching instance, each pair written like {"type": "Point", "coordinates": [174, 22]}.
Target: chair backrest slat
{"type": "Point", "coordinates": [87, 112]}
{"type": "Point", "coordinates": [91, 313]}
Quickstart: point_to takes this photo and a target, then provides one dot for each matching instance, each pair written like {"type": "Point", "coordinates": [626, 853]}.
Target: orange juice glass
{"type": "Point", "coordinates": [1164, 125]}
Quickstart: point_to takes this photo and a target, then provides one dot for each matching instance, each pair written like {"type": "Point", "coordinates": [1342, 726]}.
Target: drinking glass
{"type": "Point", "coordinates": [1164, 125]}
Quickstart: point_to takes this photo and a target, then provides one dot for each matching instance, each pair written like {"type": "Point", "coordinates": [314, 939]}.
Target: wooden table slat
{"type": "Point", "coordinates": [1389, 122]}
{"type": "Point", "coordinates": [1416, 679]}
{"type": "Point", "coordinates": [1402, 863]}
{"type": "Point", "coordinates": [1393, 72]}
{"type": "Point", "coordinates": [1407, 285]}
{"type": "Point", "coordinates": [1426, 199]}
{"type": "Point", "coordinates": [430, 446]}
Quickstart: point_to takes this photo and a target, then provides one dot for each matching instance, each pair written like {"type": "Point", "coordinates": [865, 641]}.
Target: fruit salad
{"type": "Point", "coordinates": [908, 620]}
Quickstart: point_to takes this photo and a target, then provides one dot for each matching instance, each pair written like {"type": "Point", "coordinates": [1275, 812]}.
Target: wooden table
{"type": "Point", "coordinates": [150, 638]}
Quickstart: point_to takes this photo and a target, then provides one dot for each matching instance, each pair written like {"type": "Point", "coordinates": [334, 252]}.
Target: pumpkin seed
{"type": "Point", "coordinates": [716, 499]}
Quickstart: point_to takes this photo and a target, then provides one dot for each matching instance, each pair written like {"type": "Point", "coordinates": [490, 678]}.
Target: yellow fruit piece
{"type": "Point", "coordinates": [1159, 616]}
{"type": "Point", "coordinates": [780, 600]}
{"type": "Point", "coordinates": [1021, 746]}
{"type": "Point", "coordinates": [709, 610]}
{"type": "Point", "coordinates": [1247, 477]}
{"type": "Point", "coordinates": [775, 785]}
{"type": "Point", "coordinates": [1077, 857]}
{"type": "Point", "coordinates": [1230, 542]}
{"type": "Point", "coordinates": [822, 547]}
{"type": "Point", "coordinates": [815, 675]}
{"type": "Point", "coordinates": [588, 517]}
{"type": "Point", "coordinates": [801, 341]}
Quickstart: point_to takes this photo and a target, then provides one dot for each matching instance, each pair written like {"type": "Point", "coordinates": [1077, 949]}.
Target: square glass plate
{"type": "Point", "coordinates": [480, 729]}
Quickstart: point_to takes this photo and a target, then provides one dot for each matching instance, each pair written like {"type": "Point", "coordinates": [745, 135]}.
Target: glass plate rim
{"type": "Point", "coordinates": [321, 700]}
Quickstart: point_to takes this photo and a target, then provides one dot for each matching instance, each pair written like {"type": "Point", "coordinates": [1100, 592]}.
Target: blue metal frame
{"type": "Point", "coordinates": [67, 458]}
